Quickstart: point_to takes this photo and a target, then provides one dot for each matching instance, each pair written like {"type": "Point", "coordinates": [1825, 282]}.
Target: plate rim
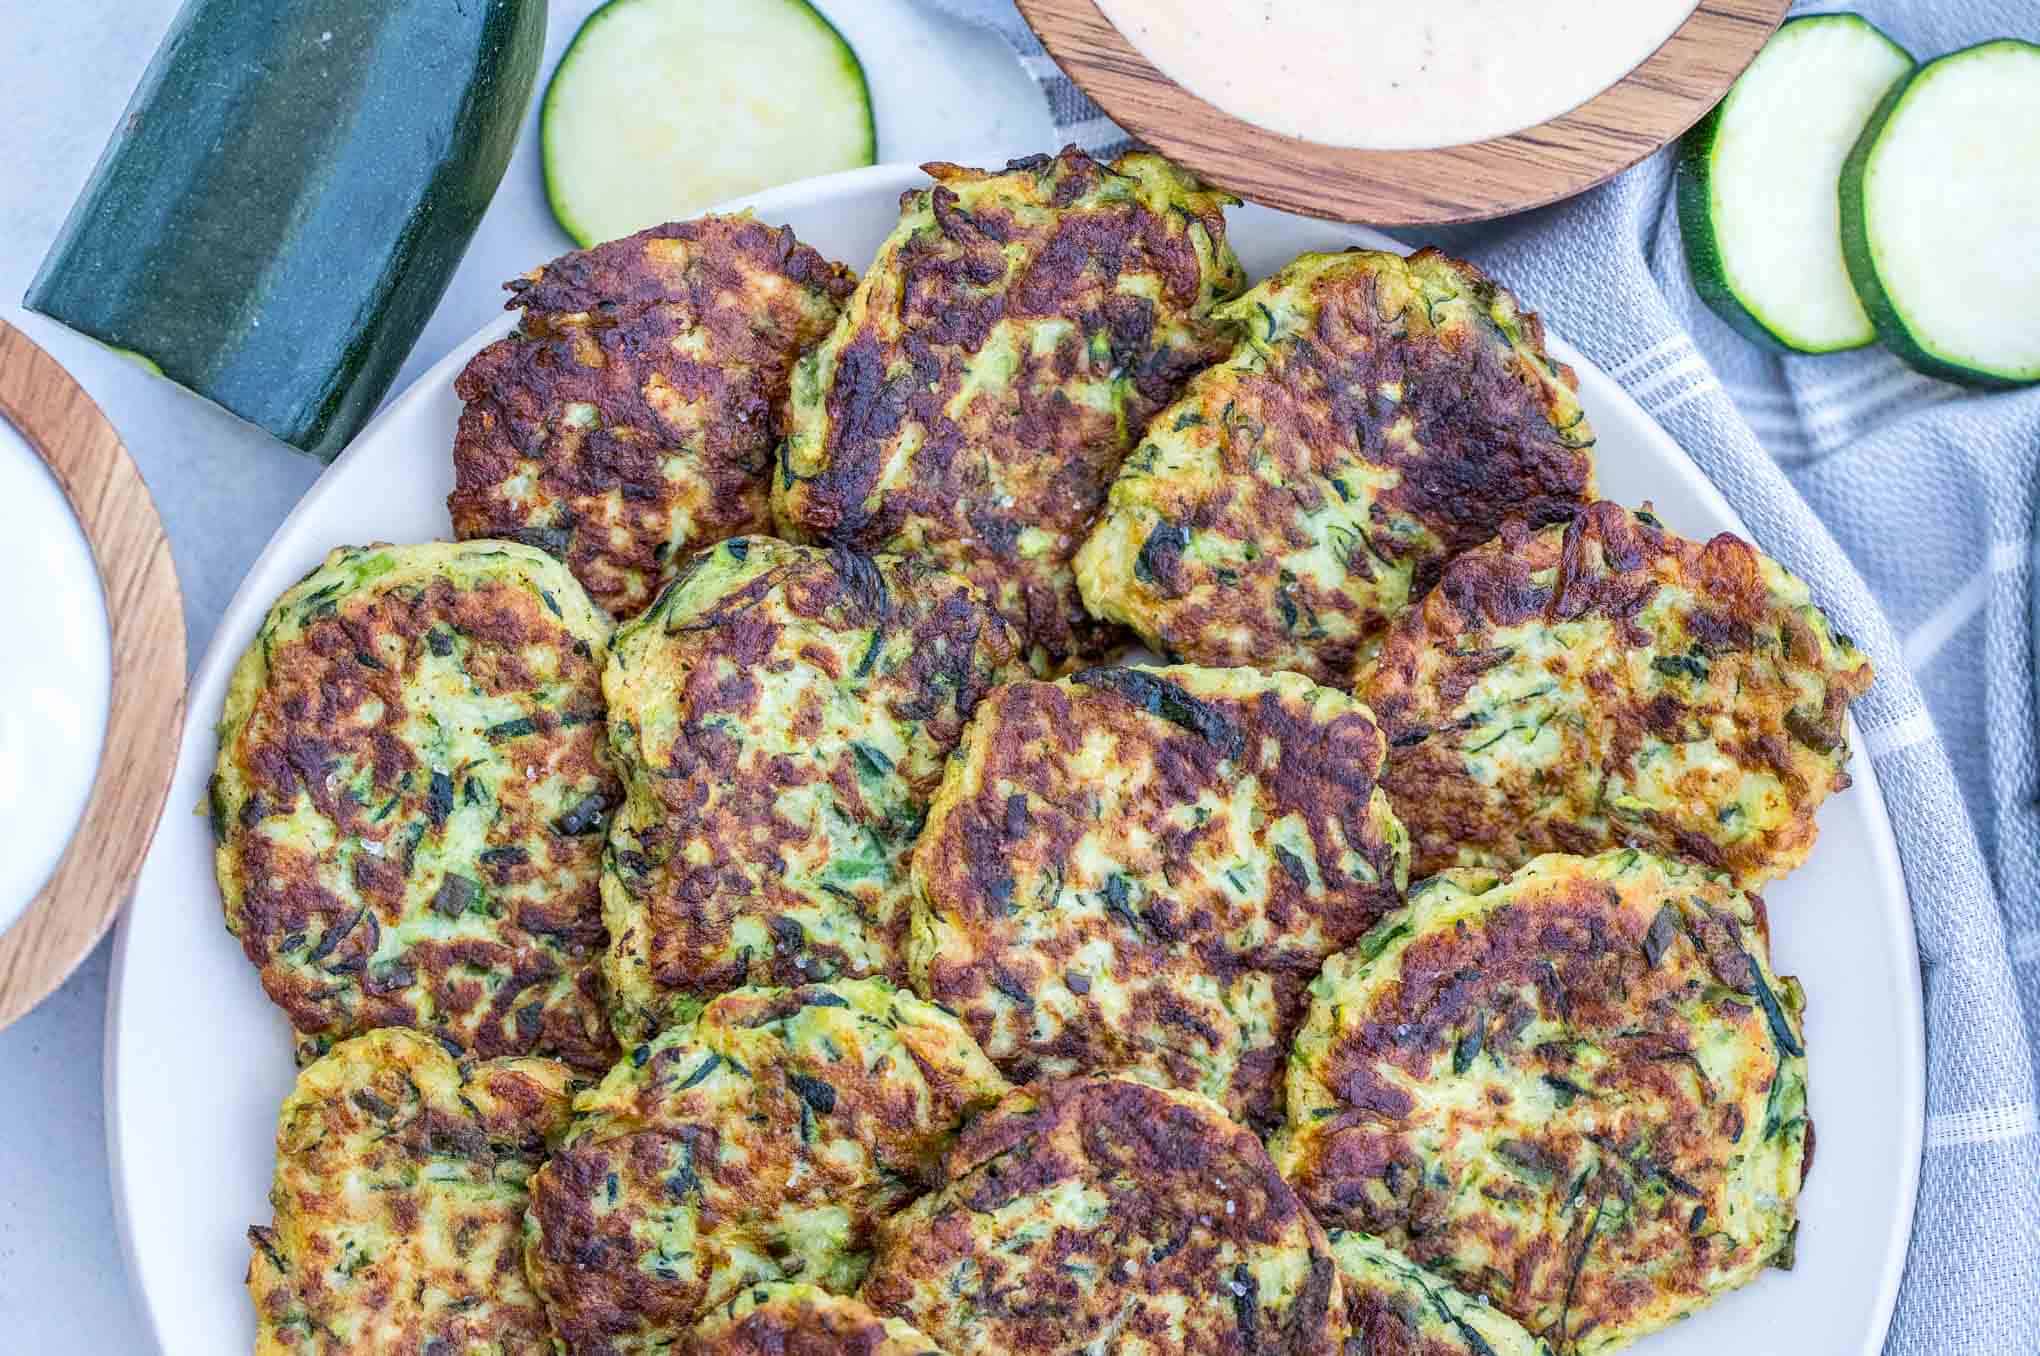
{"type": "Point", "coordinates": [236, 624]}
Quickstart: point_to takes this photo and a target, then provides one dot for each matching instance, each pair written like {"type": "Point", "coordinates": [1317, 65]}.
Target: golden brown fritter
{"type": "Point", "coordinates": [633, 416]}
{"type": "Point", "coordinates": [781, 715]}
{"type": "Point", "coordinates": [410, 800]}
{"type": "Point", "coordinates": [1579, 1091]}
{"type": "Point", "coordinates": [400, 1192]}
{"type": "Point", "coordinates": [1610, 682]}
{"type": "Point", "coordinates": [1396, 1308]}
{"type": "Point", "coordinates": [761, 1142]}
{"type": "Point", "coordinates": [801, 1320]}
{"type": "Point", "coordinates": [1379, 416]}
{"type": "Point", "coordinates": [1142, 869]}
{"type": "Point", "coordinates": [1104, 1214]}
{"type": "Point", "coordinates": [1002, 353]}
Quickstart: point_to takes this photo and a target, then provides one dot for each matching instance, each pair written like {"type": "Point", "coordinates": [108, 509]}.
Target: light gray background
{"type": "Point", "coordinates": [943, 91]}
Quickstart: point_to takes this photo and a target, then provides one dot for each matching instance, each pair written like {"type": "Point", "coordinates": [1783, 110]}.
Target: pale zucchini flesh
{"type": "Point", "coordinates": [1941, 211]}
{"type": "Point", "coordinates": [661, 108]}
{"type": "Point", "coordinates": [1759, 180]}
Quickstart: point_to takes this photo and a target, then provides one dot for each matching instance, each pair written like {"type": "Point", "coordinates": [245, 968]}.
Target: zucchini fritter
{"type": "Point", "coordinates": [1609, 682]}
{"type": "Point", "coordinates": [400, 1194]}
{"type": "Point", "coordinates": [781, 715]}
{"type": "Point", "coordinates": [1142, 869]}
{"type": "Point", "coordinates": [759, 1143]}
{"type": "Point", "coordinates": [1379, 416]}
{"type": "Point", "coordinates": [800, 1320]}
{"type": "Point", "coordinates": [1002, 353]}
{"type": "Point", "coordinates": [1396, 1308]}
{"type": "Point", "coordinates": [633, 416]}
{"type": "Point", "coordinates": [1103, 1214]}
{"type": "Point", "coordinates": [410, 799]}
{"type": "Point", "coordinates": [1578, 1090]}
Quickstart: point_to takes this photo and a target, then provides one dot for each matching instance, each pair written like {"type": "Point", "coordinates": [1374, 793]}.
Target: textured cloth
{"type": "Point", "coordinates": [1906, 504]}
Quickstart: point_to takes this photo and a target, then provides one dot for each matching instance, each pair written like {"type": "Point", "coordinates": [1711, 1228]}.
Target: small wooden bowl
{"type": "Point", "coordinates": [1571, 153]}
{"type": "Point", "coordinates": [145, 711]}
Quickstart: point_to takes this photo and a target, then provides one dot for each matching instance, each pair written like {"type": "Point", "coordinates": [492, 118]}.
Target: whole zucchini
{"type": "Point", "coordinates": [288, 194]}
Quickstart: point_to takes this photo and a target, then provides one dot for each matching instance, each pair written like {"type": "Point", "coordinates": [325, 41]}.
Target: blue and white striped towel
{"type": "Point", "coordinates": [1906, 503]}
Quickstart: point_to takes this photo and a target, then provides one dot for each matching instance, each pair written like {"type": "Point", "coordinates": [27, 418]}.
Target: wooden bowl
{"type": "Point", "coordinates": [145, 710]}
{"type": "Point", "coordinates": [1571, 153]}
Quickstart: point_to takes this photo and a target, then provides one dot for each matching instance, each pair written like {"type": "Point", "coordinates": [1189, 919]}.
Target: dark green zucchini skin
{"type": "Point", "coordinates": [288, 193]}
{"type": "Point", "coordinates": [1703, 248]}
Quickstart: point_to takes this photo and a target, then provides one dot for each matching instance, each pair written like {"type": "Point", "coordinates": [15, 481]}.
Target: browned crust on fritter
{"type": "Point", "coordinates": [1487, 431]}
{"type": "Point", "coordinates": [307, 719]}
{"type": "Point", "coordinates": [585, 1263]}
{"type": "Point", "coordinates": [1579, 952]}
{"type": "Point", "coordinates": [1611, 563]}
{"type": "Point", "coordinates": [939, 650]}
{"type": "Point", "coordinates": [678, 1138]}
{"type": "Point", "coordinates": [1056, 456]}
{"type": "Point", "coordinates": [1491, 438]}
{"type": "Point", "coordinates": [812, 1323]}
{"type": "Point", "coordinates": [1031, 810]}
{"type": "Point", "coordinates": [600, 327]}
{"type": "Point", "coordinates": [443, 1152]}
{"type": "Point", "coordinates": [1187, 1193]}
{"type": "Point", "coordinates": [1620, 971]}
{"type": "Point", "coordinates": [1382, 1326]}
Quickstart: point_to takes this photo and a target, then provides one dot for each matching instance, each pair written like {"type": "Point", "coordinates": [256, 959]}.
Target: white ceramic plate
{"type": "Point", "coordinates": [198, 1061]}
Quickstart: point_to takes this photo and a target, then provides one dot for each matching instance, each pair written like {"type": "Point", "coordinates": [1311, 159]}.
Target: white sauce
{"type": "Point", "coordinates": [1397, 74]}
{"type": "Point", "coordinates": [55, 676]}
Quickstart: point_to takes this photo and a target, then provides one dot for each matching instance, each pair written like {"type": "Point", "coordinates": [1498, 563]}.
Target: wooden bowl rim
{"type": "Point", "coordinates": [1650, 106]}
{"type": "Point", "coordinates": [145, 711]}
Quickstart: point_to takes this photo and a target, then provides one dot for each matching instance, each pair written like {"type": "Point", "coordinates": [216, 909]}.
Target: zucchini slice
{"type": "Point", "coordinates": [1940, 211]}
{"type": "Point", "coordinates": [1758, 180]}
{"type": "Point", "coordinates": [662, 107]}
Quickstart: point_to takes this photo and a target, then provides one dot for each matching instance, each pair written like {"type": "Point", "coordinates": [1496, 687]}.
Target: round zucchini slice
{"type": "Point", "coordinates": [662, 107]}
{"type": "Point", "coordinates": [1757, 184]}
{"type": "Point", "coordinates": [1939, 201]}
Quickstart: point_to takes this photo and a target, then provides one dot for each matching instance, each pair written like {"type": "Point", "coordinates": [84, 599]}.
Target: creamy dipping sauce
{"type": "Point", "coordinates": [56, 681]}
{"type": "Point", "coordinates": [1396, 74]}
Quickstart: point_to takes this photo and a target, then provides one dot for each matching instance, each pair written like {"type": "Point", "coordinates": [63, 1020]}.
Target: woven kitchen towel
{"type": "Point", "coordinates": [1906, 503]}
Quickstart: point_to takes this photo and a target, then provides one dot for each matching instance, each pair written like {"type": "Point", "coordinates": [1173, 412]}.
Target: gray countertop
{"type": "Point", "coordinates": [942, 91]}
